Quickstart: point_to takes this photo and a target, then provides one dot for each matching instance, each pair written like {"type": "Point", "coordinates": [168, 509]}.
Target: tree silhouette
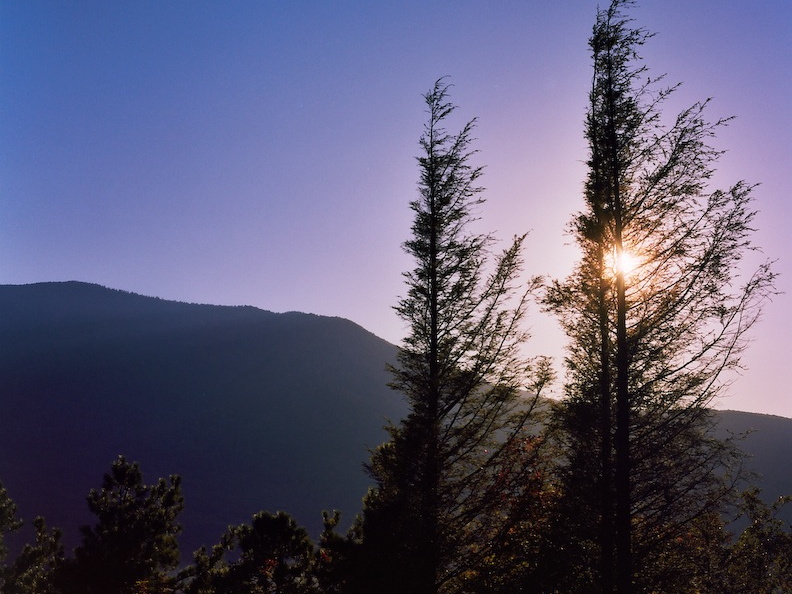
{"type": "Point", "coordinates": [760, 560]}
{"type": "Point", "coordinates": [133, 545]}
{"type": "Point", "coordinates": [449, 483]}
{"type": "Point", "coordinates": [648, 344]}
{"type": "Point", "coordinates": [34, 569]}
{"type": "Point", "coordinates": [9, 523]}
{"type": "Point", "coordinates": [270, 554]}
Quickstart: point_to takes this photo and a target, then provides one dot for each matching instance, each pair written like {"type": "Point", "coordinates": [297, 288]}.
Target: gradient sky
{"type": "Point", "coordinates": [263, 152]}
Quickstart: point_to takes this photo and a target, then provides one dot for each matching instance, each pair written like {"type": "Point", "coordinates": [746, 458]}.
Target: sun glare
{"type": "Point", "coordinates": [625, 263]}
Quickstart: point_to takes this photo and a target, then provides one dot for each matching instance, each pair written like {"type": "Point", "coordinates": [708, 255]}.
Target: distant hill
{"type": "Point", "coordinates": [255, 410]}
{"type": "Point", "coordinates": [769, 446]}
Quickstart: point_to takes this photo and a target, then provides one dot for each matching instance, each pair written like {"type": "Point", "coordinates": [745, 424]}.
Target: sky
{"type": "Point", "coordinates": [263, 153]}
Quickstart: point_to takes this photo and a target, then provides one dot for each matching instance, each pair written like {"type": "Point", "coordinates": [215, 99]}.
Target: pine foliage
{"type": "Point", "coordinates": [462, 467]}
{"type": "Point", "coordinates": [649, 343]}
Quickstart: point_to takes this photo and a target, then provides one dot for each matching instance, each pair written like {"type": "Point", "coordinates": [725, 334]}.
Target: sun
{"type": "Point", "coordinates": [625, 263]}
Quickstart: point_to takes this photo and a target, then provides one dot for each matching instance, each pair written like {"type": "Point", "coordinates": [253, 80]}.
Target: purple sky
{"type": "Point", "coordinates": [263, 152]}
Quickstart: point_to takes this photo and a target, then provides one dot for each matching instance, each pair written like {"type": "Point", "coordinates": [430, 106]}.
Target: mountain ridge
{"type": "Point", "coordinates": [254, 409]}
{"type": "Point", "coordinates": [249, 404]}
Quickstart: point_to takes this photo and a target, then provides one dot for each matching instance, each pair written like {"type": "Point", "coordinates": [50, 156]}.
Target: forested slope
{"type": "Point", "coordinates": [255, 410]}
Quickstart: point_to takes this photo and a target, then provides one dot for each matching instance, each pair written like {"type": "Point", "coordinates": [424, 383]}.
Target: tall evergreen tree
{"type": "Point", "coordinates": [655, 313]}
{"type": "Point", "coordinates": [456, 474]}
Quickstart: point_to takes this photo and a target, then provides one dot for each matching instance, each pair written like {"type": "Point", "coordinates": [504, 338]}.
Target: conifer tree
{"type": "Point", "coordinates": [275, 555]}
{"type": "Point", "coordinates": [760, 560]}
{"type": "Point", "coordinates": [9, 523]}
{"type": "Point", "coordinates": [655, 311]}
{"type": "Point", "coordinates": [133, 545]}
{"type": "Point", "coordinates": [456, 474]}
{"type": "Point", "coordinates": [34, 570]}
{"type": "Point", "coordinates": [270, 554]}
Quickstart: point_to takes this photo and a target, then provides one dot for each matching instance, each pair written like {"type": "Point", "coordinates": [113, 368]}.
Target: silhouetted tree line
{"type": "Point", "coordinates": [485, 487]}
{"type": "Point", "coordinates": [133, 549]}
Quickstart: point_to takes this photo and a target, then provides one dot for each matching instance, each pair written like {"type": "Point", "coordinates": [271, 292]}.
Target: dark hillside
{"type": "Point", "coordinates": [255, 410]}
{"type": "Point", "coordinates": [769, 445]}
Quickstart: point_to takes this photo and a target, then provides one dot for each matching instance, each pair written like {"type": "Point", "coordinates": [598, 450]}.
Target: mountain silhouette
{"type": "Point", "coordinates": [768, 443]}
{"type": "Point", "coordinates": [255, 410]}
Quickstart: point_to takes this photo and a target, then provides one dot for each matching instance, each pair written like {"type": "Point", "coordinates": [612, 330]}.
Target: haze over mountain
{"type": "Point", "coordinates": [256, 410]}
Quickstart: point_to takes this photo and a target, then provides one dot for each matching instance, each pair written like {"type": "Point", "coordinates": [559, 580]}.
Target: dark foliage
{"type": "Point", "coordinates": [649, 344]}
{"type": "Point", "coordinates": [463, 469]}
{"type": "Point", "coordinates": [133, 545]}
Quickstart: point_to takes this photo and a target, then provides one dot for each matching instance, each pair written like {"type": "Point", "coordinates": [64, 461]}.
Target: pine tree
{"type": "Point", "coordinates": [654, 312]}
{"type": "Point", "coordinates": [457, 472]}
{"type": "Point", "coordinates": [133, 545]}
{"type": "Point", "coordinates": [9, 523]}
{"type": "Point", "coordinates": [760, 560]}
{"type": "Point", "coordinates": [274, 555]}
{"type": "Point", "coordinates": [33, 571]}
{"type": "Point", "coordinates": [270, 554]}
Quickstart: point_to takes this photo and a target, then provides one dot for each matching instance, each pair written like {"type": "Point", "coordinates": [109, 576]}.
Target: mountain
{"type": "Point", "coordinates": [255, 410]}
{"type": "Point", "coordinates": [768, 442]}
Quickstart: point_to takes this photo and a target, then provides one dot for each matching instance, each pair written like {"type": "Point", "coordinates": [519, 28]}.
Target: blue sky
{"type": "Point", "coordinates": [263, 152]}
